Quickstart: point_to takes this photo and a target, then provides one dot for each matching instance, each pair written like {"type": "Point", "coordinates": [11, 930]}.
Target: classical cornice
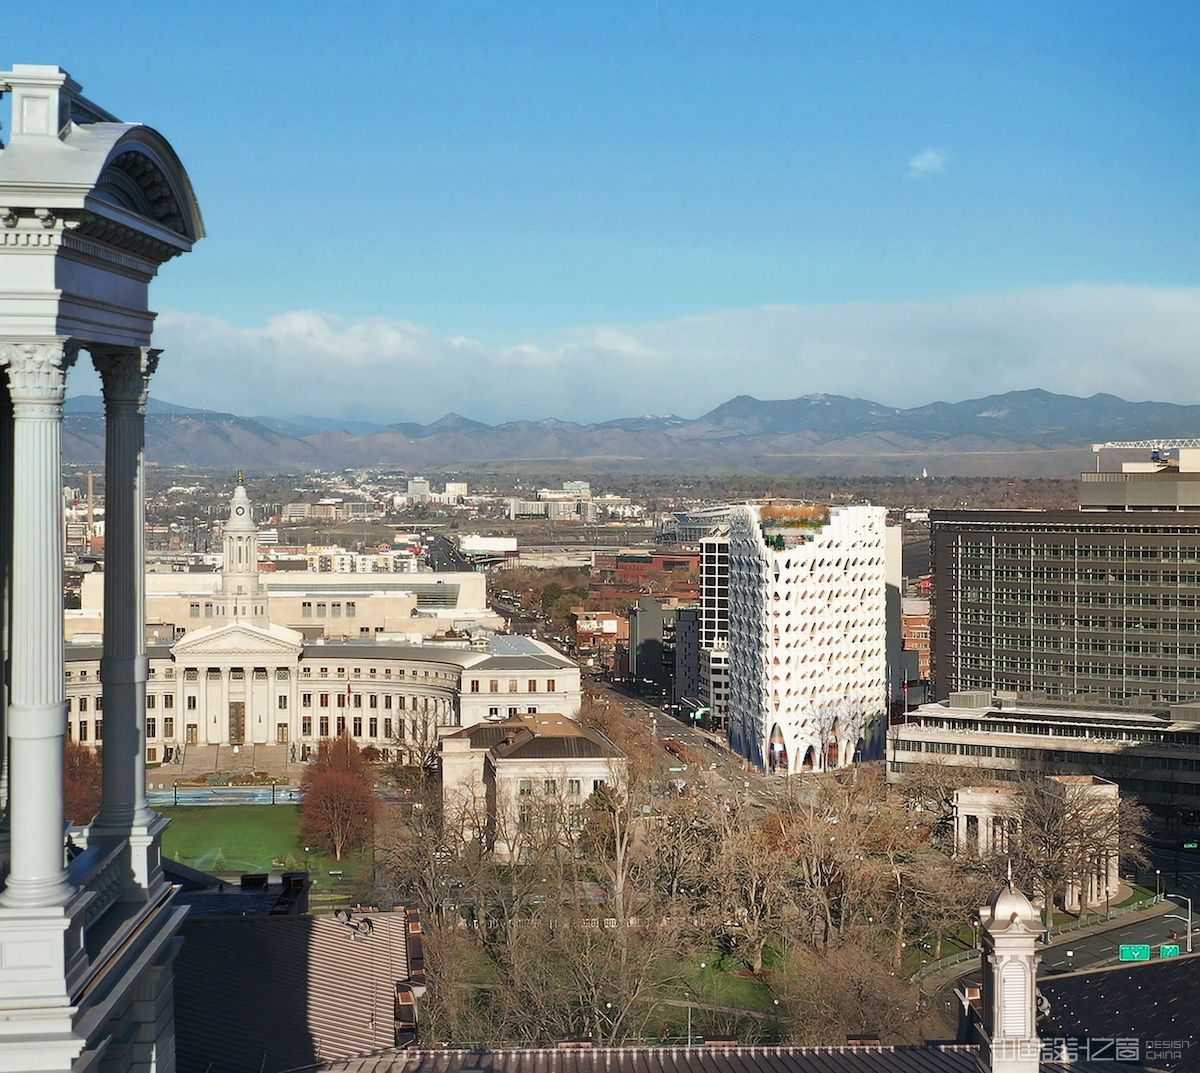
{"type": "Point", "coordinates": [86, 233]}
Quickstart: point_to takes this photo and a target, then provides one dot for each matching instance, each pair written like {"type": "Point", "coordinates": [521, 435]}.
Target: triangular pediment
{"type": "Point", "coordinates": [240, 639]}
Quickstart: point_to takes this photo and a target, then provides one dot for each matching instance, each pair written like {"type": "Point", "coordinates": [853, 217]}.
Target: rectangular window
{"type": "Point", "coordinates": [193, 610]}
{"type": "Point", "coordinates": [83, 732]}
{"type": "Point", "coordinates": [574, 787]}
{"type": "Point", "coordinates": [351, 611]}
{"type": "Point", "coordinates": [151, 702]}
{"type": "Point", "coordinates": [306, 726]}
{"type": "Point", "coordinates": [335, 609]}
{"type": "Point", "coordinates": [549, 786]}
{"type": "Point", "coordinates": [358, 700]}
{"type": "Point", "coordinates": [597, 785]}
{"type": "Point", "coordinates": [373, 701]}
{"type": "Point", "coordinates": [282, 702]}
{"type": "Point", "coordinates": [358, 726]}
{"type": "Point", "coordinates": [373, 727]}
{"type": "Point", "coordinates": [550, 685]}
{"type": "Point", "coordinates": [324, 726]}
{"type": "Point", "coordinates": [152, 728]}
{"type": "Point", "coordinates": [512, 685]}
{"type": "Point", "coordinates": [191, 704]}
{"type": "Point", "coordinates": [387, 702]}
{"type": "Point", "coordinates": [208, 610]}
{"type": "Point", "coordinates": [320, 610]}
{"type": "Point", "coordinates": [525, 787]}
{"type": "Point", "coordinates": [99, 729]}
{"type": "Point", "coordinates": [387, 728]}
{"type": "Point", "coordinates": [494, 712]}
{"type": "Point", "coordinates": [341, 725]}
{"type": "Point", "coordinates": [474, 685]}
{"type": "Point", "coordinates": [531, 710]}
{"type": "Point", "coordinates": [494, 686]}
{"type": "Point", "coordinates": [305, 700]}
{"type": "Point", "coordinates": [513, 711]}
{"type": "Point", "coordinates": [169, 726]}
{"type": "Point", "coordinates": [83, 704]}
{"type": "Point", "coordinates": [341, 700]}
{"type": "Point", "coordinates": [324, 699]}
{"type": "Point", "coordinates": [100, 703]}
{"type": "Point", "coordinates": [532, 685]}
{"type": "Point", "coordinates": [169, 700]}
{"type": "Point", "coordinates": [306, 609]}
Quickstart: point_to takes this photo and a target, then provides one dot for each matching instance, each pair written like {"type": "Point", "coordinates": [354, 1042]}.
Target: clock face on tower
{"type": "Point", "coordinates": [239, 511]}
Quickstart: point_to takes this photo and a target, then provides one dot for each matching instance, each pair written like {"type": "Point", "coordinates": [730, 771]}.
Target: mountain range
{"type": "Point", "coordinates": [1019, 433]}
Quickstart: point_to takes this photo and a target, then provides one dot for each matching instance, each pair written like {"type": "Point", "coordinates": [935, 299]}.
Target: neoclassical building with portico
{"type": "Point", "coordinates": [246, 681]}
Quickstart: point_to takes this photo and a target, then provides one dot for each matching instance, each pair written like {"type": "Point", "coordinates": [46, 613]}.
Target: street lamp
{"type": "Point", "coordinates": [1176, 916]}
{"type": "Point", "coordinates": [306, 853]}
{"type": "Point", "coordinates": [1158, 884]}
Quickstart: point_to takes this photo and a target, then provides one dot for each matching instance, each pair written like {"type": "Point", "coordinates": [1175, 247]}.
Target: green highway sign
{"type": "Point", "coordinates": [1191, 845]}
{"type": "Point", "coordinates": [1136, 952]}
{"type": "Point", "coordinates": [1168, 950]}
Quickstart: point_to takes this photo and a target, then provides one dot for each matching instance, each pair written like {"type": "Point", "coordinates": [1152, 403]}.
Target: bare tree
{"type": "Point", "coordinates": [339, 803]}
{"type": "Point", "coordinates": [82, 770]}
{"type": "Point", "coordinates": [844, 991]}
{"type": "Point", "coordinates": [338, 811]}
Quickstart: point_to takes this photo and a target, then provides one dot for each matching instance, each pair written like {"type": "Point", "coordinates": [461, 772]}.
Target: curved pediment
{"type": "Point", "coordinates": [240, 639]}
{"type": "Point", "coordinates": [144, 176]}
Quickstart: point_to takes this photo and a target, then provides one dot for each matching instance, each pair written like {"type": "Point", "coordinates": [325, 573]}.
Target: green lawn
{"type": "Point", "coordinates": [232, 839]}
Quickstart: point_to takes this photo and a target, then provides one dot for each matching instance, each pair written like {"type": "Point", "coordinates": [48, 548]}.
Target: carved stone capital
{"type": "Point", "coordinates": [125, 374]}
{"type": "Point", "coordinates": [37, 374]}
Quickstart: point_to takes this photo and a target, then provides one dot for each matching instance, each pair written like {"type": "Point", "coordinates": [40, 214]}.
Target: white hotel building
{"type": "Point", "coordinates": [808, 634]}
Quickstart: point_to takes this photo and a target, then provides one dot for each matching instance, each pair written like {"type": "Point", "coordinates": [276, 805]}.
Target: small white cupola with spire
{"type": "Point", "coordinates": [1010, 927]}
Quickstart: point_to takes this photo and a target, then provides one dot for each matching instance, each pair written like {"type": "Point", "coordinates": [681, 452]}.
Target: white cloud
{"type": "Point", "coordinates": [927, 162]}
{"type": "Point", "coordinates": [1131, 341]}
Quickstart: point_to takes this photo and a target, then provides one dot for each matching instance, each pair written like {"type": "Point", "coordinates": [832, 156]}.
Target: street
{"type": "Point", "coordinates": [1073, 954]}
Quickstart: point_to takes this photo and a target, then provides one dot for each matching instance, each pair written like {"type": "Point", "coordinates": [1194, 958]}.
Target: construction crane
{"type": "Point", "coordinates": [1156, 447]}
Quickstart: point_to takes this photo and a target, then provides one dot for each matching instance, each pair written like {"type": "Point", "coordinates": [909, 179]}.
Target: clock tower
{"type": "Point", "coordinates": [242, 594]}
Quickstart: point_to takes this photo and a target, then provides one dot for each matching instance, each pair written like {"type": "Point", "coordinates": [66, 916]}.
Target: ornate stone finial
{"type": "Point", "coordinates": [241, 477]}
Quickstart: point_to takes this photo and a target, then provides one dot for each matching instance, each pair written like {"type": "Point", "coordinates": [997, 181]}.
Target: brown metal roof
{"type": "Point", "coordinates": [931, 1059]}
{"type": "Point", "coordinates": [267, 994]}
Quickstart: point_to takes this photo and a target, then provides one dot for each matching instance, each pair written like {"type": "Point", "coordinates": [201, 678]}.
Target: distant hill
{"type": "Point", "coordinates": [1022, 433]}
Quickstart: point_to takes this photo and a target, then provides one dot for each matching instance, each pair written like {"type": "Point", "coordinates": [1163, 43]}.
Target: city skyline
{"type": "Point", "coordinates": [574, 201]}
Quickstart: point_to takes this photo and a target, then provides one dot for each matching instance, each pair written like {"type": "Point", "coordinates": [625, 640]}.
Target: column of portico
{"type": "Point", "coordinates": [125, 376]}
{"type": "Point", "coordinates": [6, 507]}
{"type": "Point", "coordinates": [222, 732]}
{"type": "Point", "coordinates": [37, 710]}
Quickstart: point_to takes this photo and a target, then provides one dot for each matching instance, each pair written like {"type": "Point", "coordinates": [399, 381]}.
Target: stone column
{"type": "Point", "coordinates": [221, 734]}
{"type": "Point", "coordinates": [37, 710]}
{"type": "Point", "coordinates": [6, 509]}
{"type": "Point", "coordinates": [125, 375]}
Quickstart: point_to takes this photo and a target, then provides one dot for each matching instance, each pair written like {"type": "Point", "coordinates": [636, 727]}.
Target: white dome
{"type": "Point", "coordinates": [1008, 906]}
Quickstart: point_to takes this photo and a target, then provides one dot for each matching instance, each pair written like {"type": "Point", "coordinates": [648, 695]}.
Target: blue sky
{"type": "Point", "coordinates": [519, 182]}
